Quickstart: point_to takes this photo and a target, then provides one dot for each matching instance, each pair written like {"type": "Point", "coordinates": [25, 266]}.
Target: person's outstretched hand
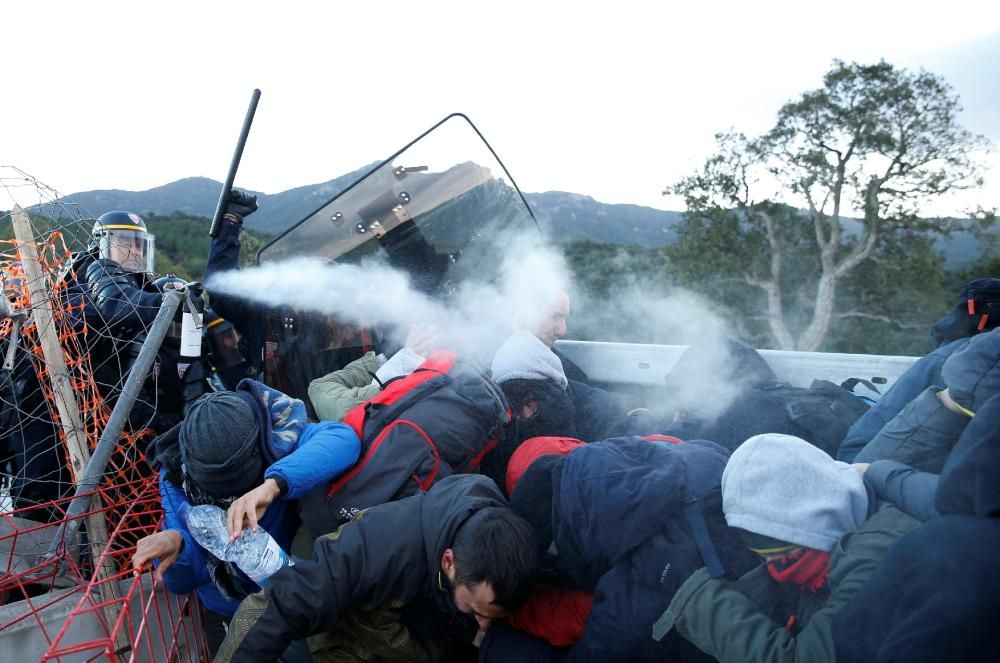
{"type": "Point", "coordinates": [165, 546]}
{"type": "Point", "coordinates": [249, 508]}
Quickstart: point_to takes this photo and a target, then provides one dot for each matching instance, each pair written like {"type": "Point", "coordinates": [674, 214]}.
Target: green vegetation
{"type": "Point", "coordinates": [181, 240]}
{"type": "Point", "coordinates": [182, 244]}
{"type": "Point", "coordinates": [886, 306]}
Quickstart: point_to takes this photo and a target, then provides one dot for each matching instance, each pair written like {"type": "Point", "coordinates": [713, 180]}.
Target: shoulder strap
{"type": "Point", "coordinates": [699, 530]}
{"type": "Point", "coordinates": [401, 394]}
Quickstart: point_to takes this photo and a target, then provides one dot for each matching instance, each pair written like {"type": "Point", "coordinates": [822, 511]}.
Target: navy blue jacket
{"type": "Point", "coordinates": [966, 486]}
{"type": "Point", "coordinates": [926, 372]}
{"type": "Point", "coordinates": [934, 597]}
{"type": "Point", "coordinates": [621, 531]}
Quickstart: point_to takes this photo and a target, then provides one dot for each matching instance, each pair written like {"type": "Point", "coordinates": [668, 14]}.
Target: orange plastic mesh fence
{"type": "Point", "coordinates": [152, 625]}
{"type": "Point", "coordinates": [127, 463]}
{"type": "Point", "coordinates": [38, 591]}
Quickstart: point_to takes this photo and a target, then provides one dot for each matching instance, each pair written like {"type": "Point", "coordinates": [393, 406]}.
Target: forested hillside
{"type": "Point", "coordinates": [181, 240]}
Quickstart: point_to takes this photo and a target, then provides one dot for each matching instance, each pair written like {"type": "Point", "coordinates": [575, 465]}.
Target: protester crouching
{"type": "Point", "coordinates": [625, 520]}
{"type": "Point", "coordinates": [408, 580]}
{"type": "Point", "coordinates": [936, 595]}
{"type": "Point", "coordinates": [812, 522]}
{"type": "Point", "coordinates": [249, 451]}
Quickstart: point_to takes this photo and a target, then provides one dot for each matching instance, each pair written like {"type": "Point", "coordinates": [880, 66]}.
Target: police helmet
{"type": "Point", "coordinates": [122, 238]}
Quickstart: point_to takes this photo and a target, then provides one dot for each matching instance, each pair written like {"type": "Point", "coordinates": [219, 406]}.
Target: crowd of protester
{"type": "Point", "coordinates": [437, 510]}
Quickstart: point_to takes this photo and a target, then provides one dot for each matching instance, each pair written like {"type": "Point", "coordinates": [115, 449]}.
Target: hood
{"type": "Point", "coordinates": [447, 505]}
{"type": "Point", "coordinates": [637, 485]}
{"type": "Point", "coordinates": [533, 449]}
{"type": "Point", "coordinates": [280, 418]}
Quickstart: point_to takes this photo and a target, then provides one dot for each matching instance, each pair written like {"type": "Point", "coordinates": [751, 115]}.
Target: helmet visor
{"type": "Point", "coordinates": [223, 343]}
{"type": "Point", "coordinates": [134, 250]}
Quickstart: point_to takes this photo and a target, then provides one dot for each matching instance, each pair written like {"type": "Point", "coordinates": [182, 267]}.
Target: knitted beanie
{"type": "Point", "coordinates": [523, 356]}
{"type": "Point", "coordinates": [219, 444]}
{"type": "Point", "coordinates": [784, 488]}
{"type": "Point", "coordinates": [972, 373]}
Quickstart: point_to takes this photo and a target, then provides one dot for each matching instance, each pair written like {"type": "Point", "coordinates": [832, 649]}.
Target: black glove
{"type": "Point", "coordinates": [239, 206]}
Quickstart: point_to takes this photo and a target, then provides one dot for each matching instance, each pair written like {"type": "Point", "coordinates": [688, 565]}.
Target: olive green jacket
{"type": "Point", "coordinates": [335, 394]}
{"type": "Point", "coordinates": [757, 619]}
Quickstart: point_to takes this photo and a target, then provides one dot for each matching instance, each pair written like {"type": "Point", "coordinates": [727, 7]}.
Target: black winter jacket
{"type": "Point", "coordinates": [389, 556]}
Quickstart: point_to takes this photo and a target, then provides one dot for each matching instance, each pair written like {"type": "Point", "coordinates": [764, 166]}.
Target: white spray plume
{"type": "Point", "coordinates": [475, 319]}
{"type": "Point", "coordinates": [639, 311]}
{"type": "Point", "coordinates": [479, 316]}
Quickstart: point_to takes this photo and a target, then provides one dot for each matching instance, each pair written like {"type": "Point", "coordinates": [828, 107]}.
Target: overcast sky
{"type": "Point", "coordinates": [611, 99]}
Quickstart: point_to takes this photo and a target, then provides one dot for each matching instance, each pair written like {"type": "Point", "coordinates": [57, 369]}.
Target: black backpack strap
{"type": "Point", "coordinates": [850, 383]}
{"type": "Point", "coordinates": [699, 530]}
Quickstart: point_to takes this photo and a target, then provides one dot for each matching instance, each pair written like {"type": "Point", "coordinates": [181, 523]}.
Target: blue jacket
{"type": "Point", "coordinates": [321, 453]}
{"type": "Point", "coordinates": [934, 597]}
{"type": "Point", "coordinates": [966, 486]}
{"type": "Point", "coordinates": [621, 530]}
{"type": "Point", "coordinates": [926, 372]}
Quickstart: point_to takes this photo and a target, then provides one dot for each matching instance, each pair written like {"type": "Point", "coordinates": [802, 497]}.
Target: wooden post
{"type": "Point", "coordinates": [55, 361]}
{"type": "Point", "coordinates": [66, 404]}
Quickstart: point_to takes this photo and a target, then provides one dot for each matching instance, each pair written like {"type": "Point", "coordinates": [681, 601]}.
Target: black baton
{"type": "Point", "coordinates": [227, 187]}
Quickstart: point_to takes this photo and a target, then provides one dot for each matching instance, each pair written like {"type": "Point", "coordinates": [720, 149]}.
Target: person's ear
{"type": "Point", "coordinates": [529, 409]}
{"type": "Point", "coordinates": [448, 562]}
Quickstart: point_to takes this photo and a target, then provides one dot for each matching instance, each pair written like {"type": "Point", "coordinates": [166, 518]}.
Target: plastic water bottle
{"type": "Point", "coordinates": [257, 554]}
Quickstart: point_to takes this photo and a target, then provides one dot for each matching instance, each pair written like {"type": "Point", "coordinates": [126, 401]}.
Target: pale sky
{"type": "Point", "coordinates": [610, 99]}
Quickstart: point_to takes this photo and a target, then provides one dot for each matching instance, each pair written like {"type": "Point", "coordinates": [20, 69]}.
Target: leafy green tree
{"type": "Point", "coordinates": [861, 156]}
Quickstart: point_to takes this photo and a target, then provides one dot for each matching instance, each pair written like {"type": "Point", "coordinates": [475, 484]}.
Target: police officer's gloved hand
{"type": "Point", "coordinates": [239, 206]}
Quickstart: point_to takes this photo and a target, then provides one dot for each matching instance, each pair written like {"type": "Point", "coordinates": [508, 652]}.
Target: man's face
{"type": "Point", "coordinates": [552, 325]}
{"type": "Point", "coordinates": [128, 252]}
{"type": "Point", "coordinates": [477, 601]}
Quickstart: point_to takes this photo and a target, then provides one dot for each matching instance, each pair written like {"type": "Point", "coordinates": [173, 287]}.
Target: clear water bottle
{"type": "Point", "coordinates": [257, 554]}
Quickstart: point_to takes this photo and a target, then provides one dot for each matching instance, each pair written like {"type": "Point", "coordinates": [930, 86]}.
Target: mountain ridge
{"type": "Point", "coordinates": [562, 216]}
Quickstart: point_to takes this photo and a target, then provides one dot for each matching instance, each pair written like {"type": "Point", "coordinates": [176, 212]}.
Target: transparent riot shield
{"type": "Point", "coordinates": [444, 209]}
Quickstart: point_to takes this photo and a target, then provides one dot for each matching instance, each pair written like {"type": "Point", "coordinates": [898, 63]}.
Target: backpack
{"type": "Point", "coordinates": [820, 414]}
{"type": "Point", "coordinates": [824, 411]}
{"type": "Point", "coordinates": [441, 419]}
{"type": "Point", "coordinates": [977, 310]}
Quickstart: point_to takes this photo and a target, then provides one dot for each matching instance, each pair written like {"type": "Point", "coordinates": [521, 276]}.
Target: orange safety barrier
{"type": "Point", "coordinates": [127, 463]}
{"type": "Point", "coordinates": [57, 601]}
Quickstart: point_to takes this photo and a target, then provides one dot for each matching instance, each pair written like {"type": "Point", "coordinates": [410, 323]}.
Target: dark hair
{"type": "Point", "coordinates": [556, 416]}
{"type": "Point", "coordinates": [497, 546]}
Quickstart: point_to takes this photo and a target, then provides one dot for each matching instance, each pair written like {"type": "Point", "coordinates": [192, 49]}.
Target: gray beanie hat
{"type": "Point", "coordinates": [524, 357]}
{"type": "Point", "coordinates": [972, 373]}
{"type": "Point", "coordinates": [785, 488]}
{"type": "Point", "coordinates": [219, 444]}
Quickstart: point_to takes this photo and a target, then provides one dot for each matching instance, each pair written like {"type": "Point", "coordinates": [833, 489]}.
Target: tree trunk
{"type": "Point", "coordinates": [816, 332]}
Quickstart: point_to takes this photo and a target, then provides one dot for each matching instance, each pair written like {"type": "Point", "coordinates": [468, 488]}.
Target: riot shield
{"type": "Point", "coordinates": [443, 209]}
